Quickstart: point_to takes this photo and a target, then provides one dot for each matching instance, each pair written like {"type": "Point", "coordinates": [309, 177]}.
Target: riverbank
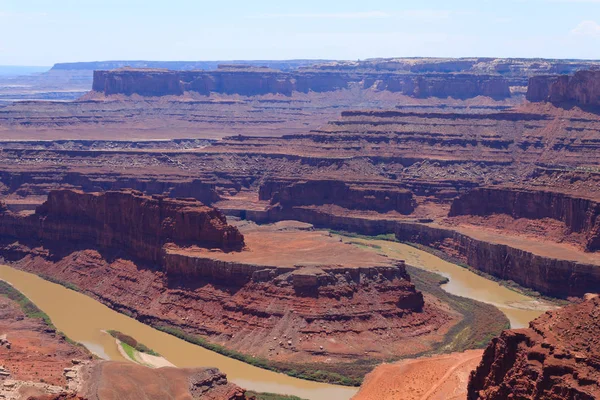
{"type": "Point", "coordinates": [86, 318]}
{"type": "Point", "coordinates": [518, 307]}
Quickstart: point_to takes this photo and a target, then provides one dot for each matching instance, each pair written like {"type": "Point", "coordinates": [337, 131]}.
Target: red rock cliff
{"type": "Point", "coordinates": [578, 214]}
{"type": "Point", "coordinates": [555, 358]}
{"type": "Point", "coordinates": [581, 88]}
{"type": "Point", "coordinates": [125, 220]}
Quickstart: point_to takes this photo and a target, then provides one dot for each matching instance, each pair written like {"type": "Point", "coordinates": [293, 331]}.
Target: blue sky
{"type": "Point", "coordinates": [43, 32]}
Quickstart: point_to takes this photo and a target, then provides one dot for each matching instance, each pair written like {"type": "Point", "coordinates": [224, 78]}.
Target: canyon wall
{"type": "Point", "coordinates": [547, 275]}
{"type": "Point", "coordinates": [125, 220]}
{"type": "Point", "coordinates": [357, 196]}
{"type": "Point", "coordinates": [254, 81]}
{"type": "Point", "coordinates": [578, 214]}
{"type": "Point", "coordinates": [555, 358]}
{"type": "Point", "coordinates": [582, 88]}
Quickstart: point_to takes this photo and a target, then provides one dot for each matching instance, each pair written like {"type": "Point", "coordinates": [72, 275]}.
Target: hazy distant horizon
{"type": "Point", "coordinates": [38, 32]}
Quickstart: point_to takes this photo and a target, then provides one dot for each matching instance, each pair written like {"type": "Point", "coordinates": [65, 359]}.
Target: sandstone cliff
{"type": "Point", "coordinates": [127, 220]}
{"type": "Point", "coordinates": [582, 88]}
{"type": "Point", "coordinates": [578, 214]}
{"type": "Point", "coordinates": [259, 81]}
{"type": "Point", "coordinates": [555, 358]}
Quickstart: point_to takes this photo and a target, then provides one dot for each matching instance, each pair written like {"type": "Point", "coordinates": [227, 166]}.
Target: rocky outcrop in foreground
{"type": "Point", "coordinates": [118, 380]}
{"type": "Point", "coordinates": [555, 358]}
{"type": "Point", "coordinates": [582, 88]}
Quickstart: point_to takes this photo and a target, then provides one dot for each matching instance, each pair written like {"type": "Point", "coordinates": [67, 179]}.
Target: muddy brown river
{"type": "Point", "coordinates": [84, 319]}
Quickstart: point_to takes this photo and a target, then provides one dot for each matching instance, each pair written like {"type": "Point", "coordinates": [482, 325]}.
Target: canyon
{"type": "Point", "coordinates": [169, 195]}
{"type": "Point", "coordinates": [178, 264]}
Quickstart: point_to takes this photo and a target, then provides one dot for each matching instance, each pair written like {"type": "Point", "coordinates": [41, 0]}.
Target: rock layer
{"type": "Point", "coordinates": [582, 88]}
{"type": "Point", "coordinates": [144, 255]}
{"type": "Point", "coordinates": [260, 81]}
{"type": "Point", "coordinates": [139, 224]}
{"type": "Point", "coordinates": [579, 214]}
{"type": "Point", "coordinates": [555, 358]}
{"type": "Point", "coordinates": [360, 195]}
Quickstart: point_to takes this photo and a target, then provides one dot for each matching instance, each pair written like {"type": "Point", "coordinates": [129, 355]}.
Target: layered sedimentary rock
{"type": "Point", "coordinates": [582, 88]}
{"type": "Point", "coordinates": [260, 81]}
{"type": "Point", "coordinates": [129, 220]}
{"type": "Point", "coordinates": [544, 273]}
{"type": "Point", "coordinates": [147, 256]}
{"type": "Point", "coordinates": [359, 196]}
{"type": "Point", "coordinates": [555, 358]}
{"type": "Point", "coordinates": [578, 214]}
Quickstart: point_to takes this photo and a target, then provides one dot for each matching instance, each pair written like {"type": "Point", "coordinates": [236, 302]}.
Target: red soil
{"type": "Point", "coordinates": [439, 377]}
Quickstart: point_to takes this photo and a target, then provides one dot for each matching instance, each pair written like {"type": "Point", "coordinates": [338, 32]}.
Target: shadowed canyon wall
{"type": "Point", "coordinates": [359, 196]}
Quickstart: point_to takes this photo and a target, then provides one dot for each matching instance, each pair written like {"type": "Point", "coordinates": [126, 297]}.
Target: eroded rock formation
{"type": "Point", "coordinates": [139, 224]}
{"type": "Point", "coordinates": [147, 256]}
{"type": "Point", "coordinates": [578, 214]}
{"type": "Point", "coordinates": [361, 196]}
{"type": "Point", "coordinates": [582, 88]}
{"type": "Point", "coordinates": [555, 358]}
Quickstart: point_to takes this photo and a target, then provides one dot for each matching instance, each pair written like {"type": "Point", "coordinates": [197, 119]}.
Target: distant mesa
{"type": "Point", "coordinates": [252, 81]}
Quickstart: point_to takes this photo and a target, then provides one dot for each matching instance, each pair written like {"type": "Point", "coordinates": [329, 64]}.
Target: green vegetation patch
{"type": "Point", "coordinates": [347, 374]}
{"type": "Point", "coordinates": [390, 237]}
{"type": "Point", "coordinates": [132, 343]}
{"type": "Point", "coordinates": [32, 311]}
{"type": "Point", "coordinates": [130, 351]}
{"type": "Point", "coordinates": [481, 322]}
{"type": "Point", "coordinates": [28, 308]}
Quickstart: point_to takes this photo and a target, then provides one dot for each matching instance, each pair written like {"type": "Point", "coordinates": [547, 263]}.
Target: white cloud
{"type": "Point", "coordinates": [587, 28]}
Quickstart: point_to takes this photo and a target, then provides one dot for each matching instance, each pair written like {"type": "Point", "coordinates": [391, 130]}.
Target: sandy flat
{"type": "Point", "coordinates": [433, 378]}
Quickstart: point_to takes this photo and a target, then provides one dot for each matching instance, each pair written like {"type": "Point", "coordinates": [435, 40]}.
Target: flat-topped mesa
{"type": "Point", "coordinates": [582, 88]}
{"type": "Point", "coordinates": [579, 215]}
{"type": "Point", "coordinates": [252, 81]}
{"type": "Point", "coordinates": [555, 358]}
{"type": "Point", "coordinates": [127, 220]}
{"type": "Point", "coordinates": [376, 197]}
